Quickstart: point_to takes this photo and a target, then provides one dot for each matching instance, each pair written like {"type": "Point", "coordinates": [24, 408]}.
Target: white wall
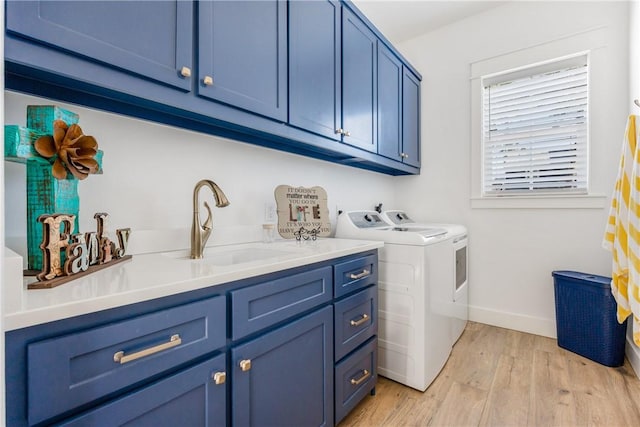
{"type": "Point", "coordinates": [150, 171]}
{"type": "Point", "coordinates": [632, 350]}
{"type": "Point", "coordinates": [514, 251]}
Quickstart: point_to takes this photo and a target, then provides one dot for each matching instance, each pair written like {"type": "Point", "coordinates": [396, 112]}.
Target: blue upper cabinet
{"type": "Point", "coordinates": [410, 118]}
{"type": "Point", "coordinates": [359, 80]}
{"type": "Point", "coordinates": [389, 104]}
{"type": "Point", "coordinates": [242, 55]}
{"type": "Point", "coordinates": [111, 33]}
{"type": "Point", "coordinates": [314, 67]}
{"type": "Point", "coordinates": [398, 110]}
{"type": "Point", "coordinates": [313, 77]}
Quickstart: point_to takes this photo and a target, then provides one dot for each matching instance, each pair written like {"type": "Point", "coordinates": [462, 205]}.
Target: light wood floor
{"type": "Point", "coordinates": [500, 377]}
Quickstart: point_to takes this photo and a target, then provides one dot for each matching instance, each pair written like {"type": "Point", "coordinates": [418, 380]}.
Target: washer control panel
{"type": "Point", "coordinates": [398, 217]}
{"type": "Point", "coordinates": [366, 219]}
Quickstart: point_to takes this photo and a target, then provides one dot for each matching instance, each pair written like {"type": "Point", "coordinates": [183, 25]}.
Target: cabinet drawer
{"type": "Point", "coordinates": [189, 398]}
{"type": "Point", "coordinates": [260, 306]}
{"type": "Point", "coordinates": [356, 320]}
{"type": "Point", "coordinates": [355, 274]}
{"type": "Point", "coordinates": [68, 371]}
{"type": "Point", "coordinates": [355, 377]}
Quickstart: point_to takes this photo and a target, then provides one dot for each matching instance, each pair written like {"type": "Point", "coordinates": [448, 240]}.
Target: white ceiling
{"type": "Point", "coordinates": [401, 20]}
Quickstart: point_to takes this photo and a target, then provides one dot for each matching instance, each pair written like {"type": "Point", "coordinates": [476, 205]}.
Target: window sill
{"type": "Point", "coordinates": [591, 201]}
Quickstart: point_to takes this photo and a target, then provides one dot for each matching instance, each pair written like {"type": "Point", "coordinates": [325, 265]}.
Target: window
{"type": "Point", "coordinates": [535, 130]}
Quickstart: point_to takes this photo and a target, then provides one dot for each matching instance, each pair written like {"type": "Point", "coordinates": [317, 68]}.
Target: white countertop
{"type": "Point", "coordinates": [156, 275]}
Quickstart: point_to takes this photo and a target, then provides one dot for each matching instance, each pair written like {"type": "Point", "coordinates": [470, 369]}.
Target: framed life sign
{"type": "Point", "coordinates": [302, 212]}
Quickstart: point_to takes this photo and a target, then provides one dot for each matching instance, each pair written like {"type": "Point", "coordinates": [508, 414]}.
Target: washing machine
{"type": "Point", "coordinates": [414, 335]}
{"type": "Point", "coordinates": [452, 269]}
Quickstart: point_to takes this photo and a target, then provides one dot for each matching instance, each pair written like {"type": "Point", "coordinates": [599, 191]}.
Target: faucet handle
{"type": "Point", "coordinates": [208, 224]}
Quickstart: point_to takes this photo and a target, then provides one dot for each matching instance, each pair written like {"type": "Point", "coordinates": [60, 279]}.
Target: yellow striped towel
{"type": "Point", "coordinates": [622, 234]}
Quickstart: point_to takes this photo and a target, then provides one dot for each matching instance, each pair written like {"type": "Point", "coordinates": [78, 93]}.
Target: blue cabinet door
{"type": "Point", "coordinates": [193, 397]}
{"type": "Point", "coordinates": [152, 39]}
{"type": "Point", "coordinates": [284, 378]}
{"type": "Point", "coordinates": [410, 118]}
{"type": "Point", "coordinates": [359, 77]}
{"type": "Point", "coordinates": [315, 66]}
{"type": "Point", "coordinates": [72, 370]}
{"type": "Point", "coordinates": [389, 104]}
{"type": "Point", "coordinates": [242, 55]}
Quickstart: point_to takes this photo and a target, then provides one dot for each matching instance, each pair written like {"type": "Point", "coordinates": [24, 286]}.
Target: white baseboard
{"type": "Point", "coordinates": [515, 321]}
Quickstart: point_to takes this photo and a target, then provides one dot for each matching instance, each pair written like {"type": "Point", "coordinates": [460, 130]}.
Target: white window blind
{"type": "Point", "coordinates": [535, 130]}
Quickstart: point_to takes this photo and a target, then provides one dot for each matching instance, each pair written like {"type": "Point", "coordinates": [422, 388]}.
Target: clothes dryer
{"type": "Point", "coordinates": [414, 337]}
{"type": "Point", "coordinates": [451, 272]}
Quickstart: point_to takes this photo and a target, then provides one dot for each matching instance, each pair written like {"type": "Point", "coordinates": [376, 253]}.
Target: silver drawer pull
{"type": "Point", "coordinates": [364, 273]}
{"type": "Point", "coordinates": [365, 374]}
{"type": "Point", "coordinates": [362, 320]}
{"type": "Point", "coordinates": [119, 357]}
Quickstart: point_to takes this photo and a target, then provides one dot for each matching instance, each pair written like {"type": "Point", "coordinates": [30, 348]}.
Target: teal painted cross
{"type": "Point", "coordinates": [45, 194]}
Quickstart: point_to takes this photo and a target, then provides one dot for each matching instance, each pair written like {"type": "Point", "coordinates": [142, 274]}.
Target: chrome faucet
{"type": "Point", "coordinates": [200, 233]}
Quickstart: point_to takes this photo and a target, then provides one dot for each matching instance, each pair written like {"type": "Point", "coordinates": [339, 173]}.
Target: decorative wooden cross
{"type": "Point", "coordinates": [46, 195]}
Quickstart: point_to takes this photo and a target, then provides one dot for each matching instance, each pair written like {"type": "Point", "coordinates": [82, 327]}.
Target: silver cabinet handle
{"type": "Point", "coordinates": [347, 133]}
{"type": "Point", "coordinates": [245, 365]}
{"type": "Point", "coordinates": [185, 72]}
{"type": "Point", "coordinates": [365, 374]}
{"type": "Point", "coordinates": [364, 273]}
{"type": "Point", "coordinates": [219, 378]}
{"type": "Point", "coordinates": [208, 81]}
{"type": "Point", "coordinates": [362, 320]}
{"type": "Point", "coordinates": [404, 155]}
{"type": "Point", "coordinates": [120, 357]}
{"type": "Point", "coordinates": [340, 131]}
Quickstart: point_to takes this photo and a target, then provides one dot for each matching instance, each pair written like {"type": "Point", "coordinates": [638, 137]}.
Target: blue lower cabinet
{"type": "Point", "coordinates": [354, 274]}
{"type": "Point", "coordinates": [276, 350]}
{"type": "Point", "coordinates": [356, 376]}
{"type": "Point", "coordinates": [284, 377]}
{"type": "Point", "coordinates": [257, 307]}
{"type": "Point", "coordinates": [194, 397]}
{"type": "Point", "coordinates": [69, 371]}
{"type": "Point", "coordinates": [356, 320]}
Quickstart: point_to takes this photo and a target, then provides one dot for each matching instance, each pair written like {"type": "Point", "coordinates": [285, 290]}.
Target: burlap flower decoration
{"type": "Point", "coordinates": [73, 151]}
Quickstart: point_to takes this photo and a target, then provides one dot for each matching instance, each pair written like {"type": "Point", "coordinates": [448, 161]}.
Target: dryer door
{"type": "Point", "coordinates": [461, 269]}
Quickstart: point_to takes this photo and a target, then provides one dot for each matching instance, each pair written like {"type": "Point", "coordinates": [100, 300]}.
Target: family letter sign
{"type": "Point", "coordinates": [66, 256]}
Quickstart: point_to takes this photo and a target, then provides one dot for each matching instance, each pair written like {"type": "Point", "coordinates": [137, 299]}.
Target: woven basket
{"type": "Point", "coordinates": [586, 319]}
